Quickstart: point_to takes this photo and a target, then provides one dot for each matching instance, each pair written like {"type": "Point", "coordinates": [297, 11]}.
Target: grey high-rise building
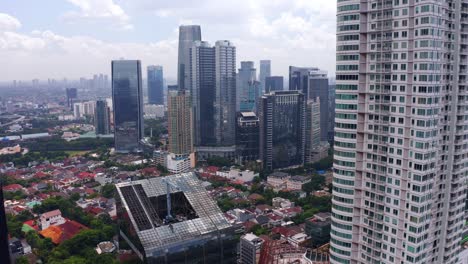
{"type": "Point", "coordinates": [188, 34]}
{"type": "Point", "coordinates": [102, 118]}
{"type": "Point", "coordinates": [203, 93]}
{"type": "Point", "coordinates": [248, 89]}
{"type": "Point", "coordinates": [312, 130]}
{"type": "Point", "coordinates": [274, 83]}
{"type": "Point", "coordinates": [313, 83]}
{"type": "Point", "coordinates": [331, 107]}
{"type": "Point", "coordinates": [265, 71]}
{"type": "Point", "coordinates": [250, 247]}
{"type": "Point", "coordinates": [400, 150]}
{"type": "Point", "coordinates": [127, 103]}
{"type": "Point", "coordinates": [282, 129]}
{"type": "Point", "coordinates": [225, 102]}
{"type": "Point", "coordinates": [155, 84]}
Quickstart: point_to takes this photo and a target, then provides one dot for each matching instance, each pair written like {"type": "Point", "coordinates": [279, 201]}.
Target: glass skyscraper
{"type": "Point", "coordinates": [102, 118]}
{"type": "Point", "coordinates": [248, 89]}
{"type": "Point", "coordinates": [265, 71]}
{"type": "Point", "coordinates": [282, 129]}
{"type": "Point", "coordinates": [188, 34]}
{"type": "Point", "coordinates": [155, 85]}
{"type": "Point", "coordinates": [127, 101]}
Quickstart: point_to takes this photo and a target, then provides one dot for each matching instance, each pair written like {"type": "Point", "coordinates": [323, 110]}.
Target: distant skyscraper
{"type": "Point", "coordinates": [274, 83]}
{"type": "Point", "coordinates": [102, 118]}
{"type": "Point", "coordinates": [248, 89]}
{"type": "Point", "coordinates": [247, 137]}
{"type": "Point", "coordinates": [187, 36]}
{"type": "Point", "coordinates": [282, 129]}
{"type": "Point", "coordinates": [312, 130]}
{"type": "Point", "coordinates": [265, 71]}
{"type": "Point", "coordinates": [400, 150]}
{"type": "Point", "coordinates": [179, 115]}
{"type": "Point", "coordinates": [72, 94]}
{"type": "Point", "coordinates": [127, 102]}
{"type": "Point", "coordinates": [313, 83]}
{"type": "Point", "coordinates": [203, 93]}
{"type": "Point", "coordinates": [155, 85]}
{"type": "Point", "coordinates": [225, 99]}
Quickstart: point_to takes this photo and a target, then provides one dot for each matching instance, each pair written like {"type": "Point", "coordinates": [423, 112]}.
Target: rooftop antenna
{"type": "Point", "coordinates": [169, 185]}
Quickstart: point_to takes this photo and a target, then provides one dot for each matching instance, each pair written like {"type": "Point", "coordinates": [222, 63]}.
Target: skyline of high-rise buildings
{"type": "Point", "coordinates": [400, 153]}
{"type": "Point", "coordinates": [127, 103]}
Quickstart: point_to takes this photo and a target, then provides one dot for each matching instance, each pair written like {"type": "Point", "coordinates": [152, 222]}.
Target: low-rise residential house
{"type": "Point", "coordinates": [51, 218]}
{"type": "Point", "coordinates": [296, 182]}
{"type": "Point", "coordinates": [279, 202]}
{"type": "Point", "coordinates": [277, 180]}
{"type": "Point", "coordinates": [298, 240]}
{"type": "Point", "coordinates": [13, 188]}
{"type": "Point", "coordinates": [237, 175]}
{"type": "Point", "coordinates": [288, 212]}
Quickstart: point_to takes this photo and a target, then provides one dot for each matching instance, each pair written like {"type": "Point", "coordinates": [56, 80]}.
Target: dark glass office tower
{"type": "Point", "coordinates": [282, 129]}
{"type": "Point", "coordinates": [274, 83]}
{"type": "Point", "coordinates": [247, 137]}
{"type": "Point", "coordinates": [102, 118]}
{"type": "Point", "coordinates": [187, 36]}
{"type": "Point", "coordinates": [127, 100]}
{"type": "Point", "coordinates": [203, 93]}
{"type": "Point", "coordinates": [155, 85]}
{"type": "Point", "coordinates": [313, 83]}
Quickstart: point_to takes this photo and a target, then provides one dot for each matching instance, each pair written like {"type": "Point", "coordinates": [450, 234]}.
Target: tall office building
{"type": "Point", "coordinates": [203, 93]}
{"type": "Point", "coordinates": [72, 93]}
{"type": "Point", "coordinates": [313, 83]}
{"type": "Point", "coordinates": [102, 118]}
{"type": "Point", "coordinates": [265, 71]}
{"type": "Point", "coordinates": [225, 102]}
{"type": "Point", "coordinates": [312, 131]}
{"type": "Point", "coordinates": [282, 129]}
{"type": "Point", "coordinates": [400, 163]}
{"type": "Point", "coordinates": [127, 102]}
{"type": "Point", "coordinates": [248, 89]}
{"type": "Point", "coordinates": [179, 116]}
{"type": "Point", "coordinates": [247, 137]}
{"type": "Point", "coordinates": [155, 84]}
{"type": "Point", "coordinates": [188, 34]}
{"type": "Point", "coordinates": [274, 83]}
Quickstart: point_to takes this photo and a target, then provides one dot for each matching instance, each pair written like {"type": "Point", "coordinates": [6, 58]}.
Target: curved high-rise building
{"type": "Point", "coordinates": [188, 34]}
{"type": "Point", "coordinates": [400, 154]}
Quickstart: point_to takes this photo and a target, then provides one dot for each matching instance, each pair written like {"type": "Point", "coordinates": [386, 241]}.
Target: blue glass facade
{"type": "Point", "coordinates": [128, 104]}
{"type": "Point", "coordinates": [155, 85]}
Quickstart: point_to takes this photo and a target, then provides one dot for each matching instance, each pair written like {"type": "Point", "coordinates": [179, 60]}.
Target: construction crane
{"type": "Point", "coordinates": [169, 217]}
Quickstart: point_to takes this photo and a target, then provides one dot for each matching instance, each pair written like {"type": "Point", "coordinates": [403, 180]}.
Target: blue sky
{"type": "Point", "coordinates": [74, 38]}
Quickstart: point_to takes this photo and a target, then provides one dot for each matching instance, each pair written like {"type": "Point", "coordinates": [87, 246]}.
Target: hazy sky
{"type": "Point", "coordinates": [75, 38]}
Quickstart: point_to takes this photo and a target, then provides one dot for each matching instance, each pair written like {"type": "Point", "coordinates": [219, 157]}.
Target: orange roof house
{"type": "Point", "coordinates": [62, 232]}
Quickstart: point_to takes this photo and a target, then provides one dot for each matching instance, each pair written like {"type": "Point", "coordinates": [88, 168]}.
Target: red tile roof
{"type": "Point", "coordinates": [12, 187]}
{"type": "Point", "coordinates": [63, 232]}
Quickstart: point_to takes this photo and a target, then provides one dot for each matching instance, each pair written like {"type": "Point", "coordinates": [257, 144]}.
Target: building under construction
{"type": "Point", "coordinates": [173, 220]}
{"type": "Point", "coordinates": [281, 252]}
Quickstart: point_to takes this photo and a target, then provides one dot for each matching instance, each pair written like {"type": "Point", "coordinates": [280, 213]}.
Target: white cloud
{"type": "Point", "coordinates": [99, 10]}
{"type": "Point", "coordinates": [8, 23]}
{"type": "Point", "coordinates": [299, 32]}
